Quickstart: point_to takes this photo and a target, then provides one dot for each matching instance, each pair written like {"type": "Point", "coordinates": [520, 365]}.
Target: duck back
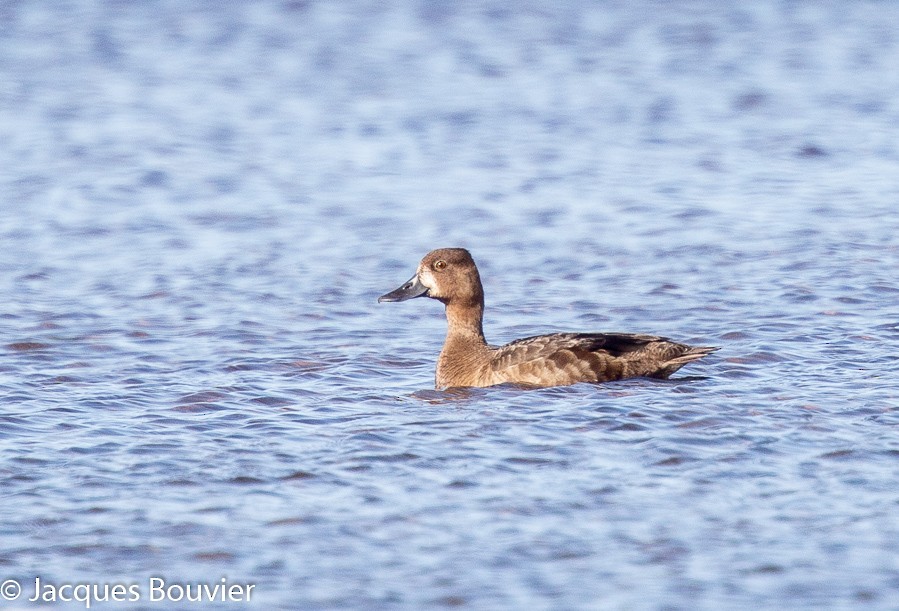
{"type": "Point", "coordinates": [566, 358]}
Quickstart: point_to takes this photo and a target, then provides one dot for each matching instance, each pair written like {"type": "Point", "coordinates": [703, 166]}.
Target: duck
{"type": "Point", "coordinates": [450, 276]}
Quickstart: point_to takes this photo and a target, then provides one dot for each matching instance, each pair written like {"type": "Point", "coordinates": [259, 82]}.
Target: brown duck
{"type": "Point", "coordinates": [450, 275]}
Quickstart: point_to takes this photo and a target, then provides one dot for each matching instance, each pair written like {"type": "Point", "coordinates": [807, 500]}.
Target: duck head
{"type": "Point", "coordinates": [447, 274]}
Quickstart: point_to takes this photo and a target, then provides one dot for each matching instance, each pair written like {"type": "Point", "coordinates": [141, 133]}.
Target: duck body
{"type": "Point", "coordinates": [558, 359]}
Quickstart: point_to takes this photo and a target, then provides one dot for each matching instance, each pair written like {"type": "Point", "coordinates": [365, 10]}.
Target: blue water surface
{"type": "Point", "coordinates": [201, 202]}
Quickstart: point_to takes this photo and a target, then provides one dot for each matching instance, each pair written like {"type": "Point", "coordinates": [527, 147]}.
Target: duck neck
{"type": "Point", "coordinates": [465, 350]}
{"type": "Point", "coordinates": [465, 323]}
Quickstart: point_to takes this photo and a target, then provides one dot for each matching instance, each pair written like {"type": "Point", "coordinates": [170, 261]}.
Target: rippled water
{"type": "Point", "coordinates": [202, 201]}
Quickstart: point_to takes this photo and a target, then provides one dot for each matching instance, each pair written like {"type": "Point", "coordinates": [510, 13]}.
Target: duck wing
{"type": "Point", "coordinates": [566, 358]}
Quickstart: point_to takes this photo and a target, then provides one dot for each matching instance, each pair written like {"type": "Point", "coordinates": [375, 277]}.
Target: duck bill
{"type": "Point", "coordinates": [410, 290]}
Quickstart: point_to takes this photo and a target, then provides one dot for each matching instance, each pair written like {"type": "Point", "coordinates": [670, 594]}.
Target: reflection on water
{"type": "Point", "coordinates": [202, 204]}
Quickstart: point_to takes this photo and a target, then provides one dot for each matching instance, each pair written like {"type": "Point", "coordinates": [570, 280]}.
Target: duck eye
{"type": "Point", "coordinates": [440, 265]}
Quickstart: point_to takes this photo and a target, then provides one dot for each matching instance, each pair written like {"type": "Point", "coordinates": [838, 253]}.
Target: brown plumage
{"type": "Point", "coordinates": [450, 276]}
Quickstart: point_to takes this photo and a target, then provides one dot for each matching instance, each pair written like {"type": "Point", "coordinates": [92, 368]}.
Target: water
{"type": "Point", "coordinates": [202, 201]}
